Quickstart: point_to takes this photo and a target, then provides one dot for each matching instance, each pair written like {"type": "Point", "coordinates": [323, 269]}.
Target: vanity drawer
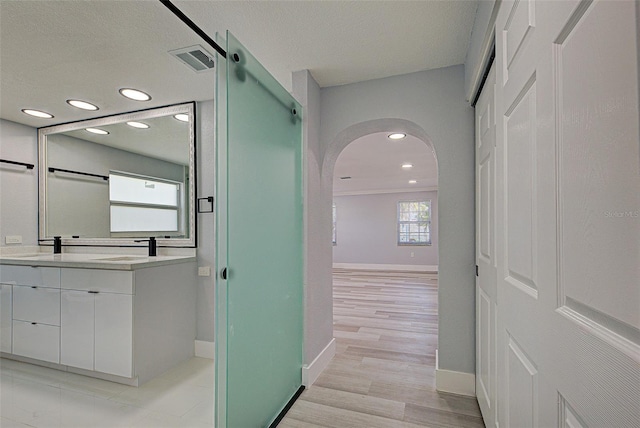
{"type": "Point", "coordinates": [28, 275]}
{"type": "Point", "coordinates": [107, 281]}
{"type": "Point", "coordinates": [39, 341]}
{"type": "Point", "coordinates": [36, 304]}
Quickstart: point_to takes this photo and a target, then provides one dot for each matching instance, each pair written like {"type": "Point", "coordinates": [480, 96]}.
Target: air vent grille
{"type": "Point", "coordinates": [194, 57]}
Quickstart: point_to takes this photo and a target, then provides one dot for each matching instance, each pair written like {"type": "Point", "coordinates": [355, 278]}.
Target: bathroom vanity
{"type": "Point", "coordinates": [121, 318]}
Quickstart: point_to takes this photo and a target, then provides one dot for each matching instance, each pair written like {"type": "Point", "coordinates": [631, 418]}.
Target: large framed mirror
{"type": "Point", "coordinates": [113, 180]}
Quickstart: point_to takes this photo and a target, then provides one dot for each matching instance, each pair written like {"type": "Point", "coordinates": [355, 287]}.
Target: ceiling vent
{"type": "Point", "coordinates": [194, 57]}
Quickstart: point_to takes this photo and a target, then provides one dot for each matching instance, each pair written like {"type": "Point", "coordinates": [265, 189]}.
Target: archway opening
{"type": "Point", "coordinates": [385, 255]}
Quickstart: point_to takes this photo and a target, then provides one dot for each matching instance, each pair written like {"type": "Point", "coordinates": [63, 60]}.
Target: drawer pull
{"type": "Point", "coordinates": [94, 292]}
{"type": "Point", "coordinates": [34, 323]}
{"type": "Point", "coordinates": [33, 286]}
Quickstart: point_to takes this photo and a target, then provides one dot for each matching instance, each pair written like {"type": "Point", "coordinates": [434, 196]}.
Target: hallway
{"type": "Point", "coordinates": [383, 374]}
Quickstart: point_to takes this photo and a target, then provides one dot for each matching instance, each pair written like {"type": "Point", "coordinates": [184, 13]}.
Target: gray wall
{"type": "Point", "coordinates": [367, 230]}
{"type": "Point", "coordinates": [431, 106]}
{"type": "Point", "coordinates": [318, 291]}
{"type": "Point", "coordinates": [18, 185]}
{"type": "Point", "coordinates": [80, 206]}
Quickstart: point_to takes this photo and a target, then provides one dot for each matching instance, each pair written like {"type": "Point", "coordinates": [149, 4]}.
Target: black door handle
{"type": "Point", "coordinates": [223, 273]}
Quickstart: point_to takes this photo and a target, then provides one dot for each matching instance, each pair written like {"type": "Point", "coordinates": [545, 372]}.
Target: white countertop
{"type": "Point", "coordinates": [92, 261]}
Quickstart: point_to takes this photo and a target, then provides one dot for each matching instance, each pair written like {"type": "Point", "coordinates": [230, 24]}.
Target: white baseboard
{"type": "Point", "coordinates": [456, 382]}
{"type": "Point", "coordinates": [364, 266]}
{"type": "Point", "coordinates": [205, 349]}
{"type": "Point", "coordinates": [310, 372]}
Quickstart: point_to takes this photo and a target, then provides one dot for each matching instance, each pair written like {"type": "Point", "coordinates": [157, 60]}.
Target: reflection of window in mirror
{"type": "Point", "coordinates": [139, 203]}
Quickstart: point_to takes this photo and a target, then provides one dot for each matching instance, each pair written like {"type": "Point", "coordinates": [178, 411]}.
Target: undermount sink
{"type": "Point", "coordinates": [121, 258]}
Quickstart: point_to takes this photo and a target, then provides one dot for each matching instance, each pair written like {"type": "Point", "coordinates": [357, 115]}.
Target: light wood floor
{"type": "Point", "coordinates": [383, 374]}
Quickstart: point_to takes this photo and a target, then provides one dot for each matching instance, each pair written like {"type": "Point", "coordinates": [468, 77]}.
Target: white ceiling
{"type": "Point", "coordinates": [343, 41]}
{"type": "Point", "coordinates": [51, 51]}
{"type": "Point", "coordinates": [374, 164]}
{"type": "Point", "coordinates": [54, 50]}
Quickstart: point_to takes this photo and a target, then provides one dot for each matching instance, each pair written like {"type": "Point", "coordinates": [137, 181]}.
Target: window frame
{"type": "Point", "coordinates": [400, 222]}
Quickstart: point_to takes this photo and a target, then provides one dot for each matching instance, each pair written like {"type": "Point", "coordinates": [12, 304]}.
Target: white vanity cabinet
{"type": "Point", "coordinates": [5, 317]}
{"type": "Point", "coordinates": [35, 311]}
{"type": "Point", "coordinates": [96, 325]}
{"type": "Point", "coordinates": [124, 322]}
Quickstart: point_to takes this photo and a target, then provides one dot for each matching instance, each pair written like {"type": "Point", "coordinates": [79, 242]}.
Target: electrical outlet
{"type": "Point", "coordinates": [13, 239]}
{"type": "Point", "coordinates": [413, 254]}
{"type": "Point", "coordinates": [204, 271]}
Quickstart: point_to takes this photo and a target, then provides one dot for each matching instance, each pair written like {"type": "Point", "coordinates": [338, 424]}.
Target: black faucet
{"type": "Point", "coordinates": [57, 244]}
{"type": "Point", "coordinates": [152, 245]}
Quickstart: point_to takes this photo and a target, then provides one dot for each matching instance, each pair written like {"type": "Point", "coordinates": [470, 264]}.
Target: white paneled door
{"type": "Point", "coordinates": [567, 249]}
{"type": "Point", "coordinates": [486, 280]}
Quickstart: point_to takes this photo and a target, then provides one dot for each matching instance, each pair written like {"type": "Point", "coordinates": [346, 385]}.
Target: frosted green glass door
{"type": "Point", "coordinates": [259, 219]}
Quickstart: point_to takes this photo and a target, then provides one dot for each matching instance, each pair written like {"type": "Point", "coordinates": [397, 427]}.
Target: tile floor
{"type": "Point", "coordinates": [33, 396]}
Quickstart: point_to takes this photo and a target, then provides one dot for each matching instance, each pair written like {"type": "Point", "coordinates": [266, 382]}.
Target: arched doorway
{"type": "Point", "coordinates": [385, 127]}
{"type": "Point", "coordinates": [386, 332]}
{"type": "Point", "coordinates": [384, 368]}
{"type": "Point", "coordinates": [385, 192]}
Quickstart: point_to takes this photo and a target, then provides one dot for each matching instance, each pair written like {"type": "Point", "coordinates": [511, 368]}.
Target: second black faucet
{"type": "Point", "coordinates": [152, 245]}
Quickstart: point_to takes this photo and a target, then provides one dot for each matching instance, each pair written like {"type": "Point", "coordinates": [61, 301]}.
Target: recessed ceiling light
{"type": "Point", "coordinates": [82, 105]}
{"type": "Point", "coordinates": [97, 131]}
{"type": "Point", "coordinates": [37, 113]}
{"type": "Point", "coordinates": [138, 125]}
{"type": "Point", "coordinates": [182, 117]}
{"type": "Point", "coordinates": [397, 136]}
{"type": "Point", "coordinates": [407, 165]}
{"type": "Point", "coordinates": [413, 181]}
{"type": "Point", "coordinates": [134, 94]}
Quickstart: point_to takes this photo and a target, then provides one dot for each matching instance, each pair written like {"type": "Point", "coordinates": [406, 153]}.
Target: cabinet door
{"type": "Point", "coordinates": [77, 329]}
{"type": "Point", "coordinates": [5, 318]}
{"type": "Point", "coordinates": [114, 334]}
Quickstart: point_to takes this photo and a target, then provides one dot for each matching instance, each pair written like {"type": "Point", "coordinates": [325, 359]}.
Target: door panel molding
{"type": "Point", "coordinates": [522, 386]}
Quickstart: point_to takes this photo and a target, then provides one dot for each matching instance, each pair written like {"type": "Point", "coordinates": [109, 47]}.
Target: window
{"type": "Point", "coordinates": [334, 224]}
{"type": "Point", "coordinates": [143, 204]}
{"type": "Point", "coordinates": [414, 223]}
